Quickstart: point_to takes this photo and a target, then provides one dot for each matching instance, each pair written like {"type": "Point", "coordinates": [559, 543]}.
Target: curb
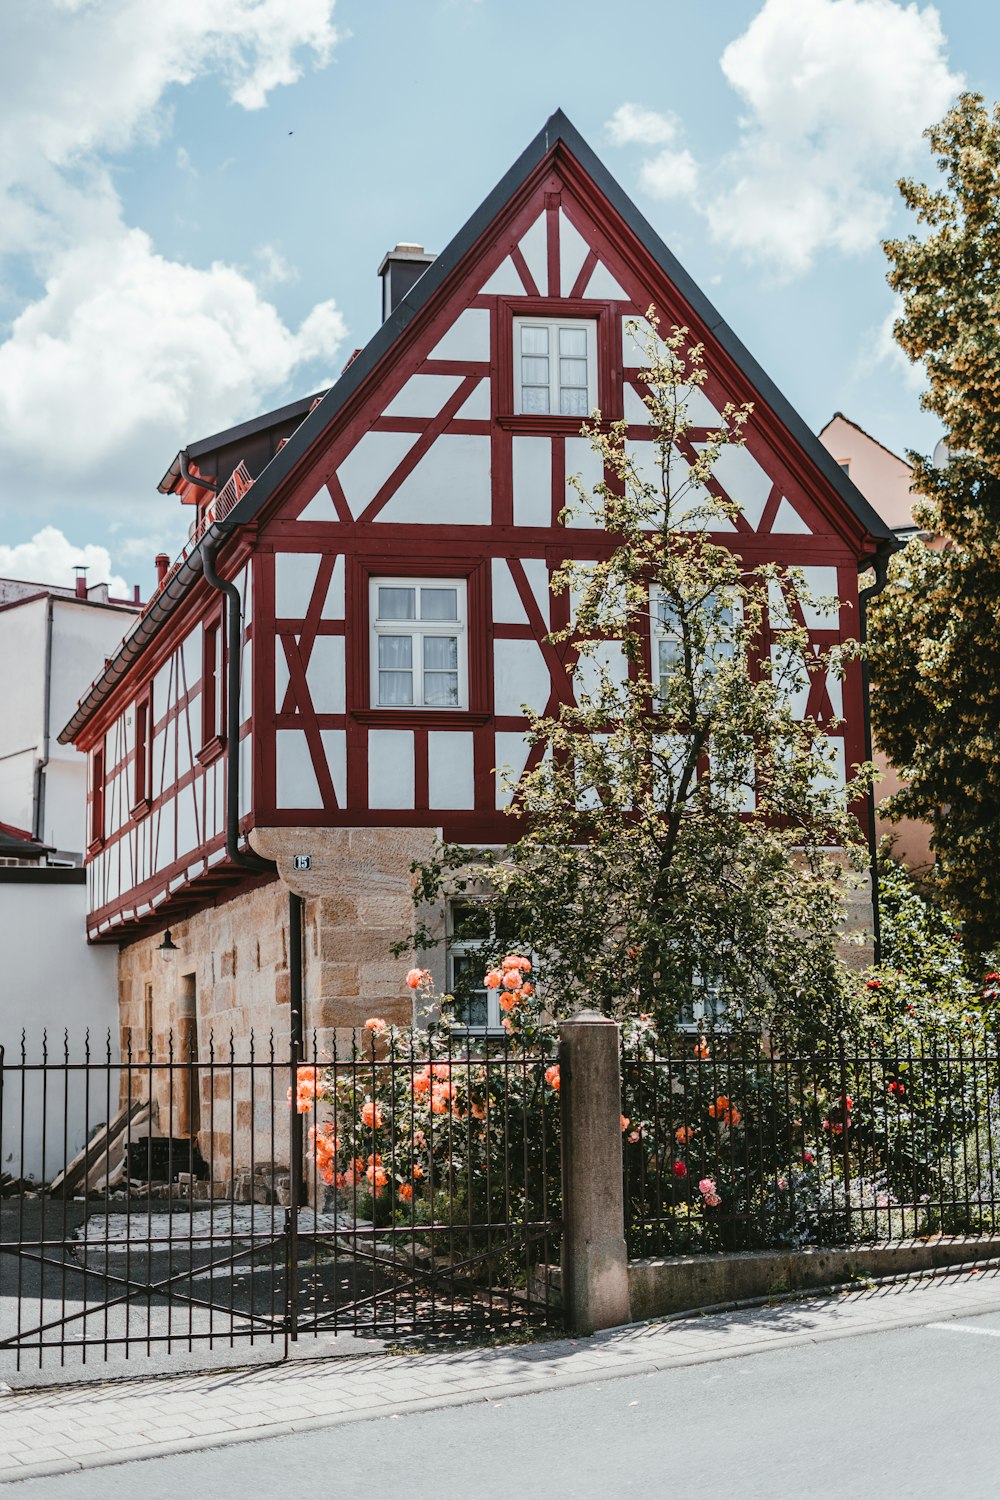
{"type": "Point", "coordinates": [619, 1369]}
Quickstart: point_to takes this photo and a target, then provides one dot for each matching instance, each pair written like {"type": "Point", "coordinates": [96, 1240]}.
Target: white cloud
{"type": "Point", "coordinates": [836, 96]}
{"type": "Point", "coordinates": [673, 171]}
{"type": "Point", "coordinates": [125, 345]}
{"type": "Point", "coordinates": [838, 93]}
{"type": "Point", "coordinates": [125, 353]}
{"type": "Point", "coordinates": [50, 557]}
{"type": "Point", "coordinates": [881, 349]}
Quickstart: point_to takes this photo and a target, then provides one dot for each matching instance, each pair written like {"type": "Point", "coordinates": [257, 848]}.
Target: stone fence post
{"type": "Point", "coordinates": [594, 1257]}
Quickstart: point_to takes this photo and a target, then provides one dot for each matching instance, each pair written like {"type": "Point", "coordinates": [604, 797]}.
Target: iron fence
{"type": "Point", "coordinates": [171, 1199]}
{"type": "Point", "coordinates": [731, 1146]}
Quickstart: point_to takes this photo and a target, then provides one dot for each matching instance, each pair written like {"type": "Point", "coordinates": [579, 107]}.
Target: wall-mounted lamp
{"type": "Point", "coordinates": [168, 949]}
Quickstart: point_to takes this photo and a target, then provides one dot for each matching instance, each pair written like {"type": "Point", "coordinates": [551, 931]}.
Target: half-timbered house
{"type": "Point", "coordinates": [334, 669]}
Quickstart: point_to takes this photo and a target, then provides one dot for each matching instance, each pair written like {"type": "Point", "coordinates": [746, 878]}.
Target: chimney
{"type": "Point", "coordinates": [399, 270]}
{"type": "Point", "coordinates": [136, 596]}
{"type": "Point", "coordinates": [81, 581]}
{"type": "Point", "coordinates": [162, 564]}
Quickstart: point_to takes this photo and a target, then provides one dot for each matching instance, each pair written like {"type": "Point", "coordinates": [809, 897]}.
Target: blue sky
{"type": "Point", "coordinates": [194, 200]}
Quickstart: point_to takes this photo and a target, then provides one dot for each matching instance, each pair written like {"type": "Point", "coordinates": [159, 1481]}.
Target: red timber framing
{"type": "Point", "coordinates": [416, 465]}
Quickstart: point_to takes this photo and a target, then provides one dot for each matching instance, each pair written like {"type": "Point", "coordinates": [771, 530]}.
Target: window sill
{"type": "Point", "coordinates": [420, 718]}
{"type": "Point", "coordinates": [94, 847]}
{"type": "Point", "coordinates": [211, 750]}
{"type": "Point", "coordinates": [555, 426]}
{"type": "Point", "coordinates": [139, 809]}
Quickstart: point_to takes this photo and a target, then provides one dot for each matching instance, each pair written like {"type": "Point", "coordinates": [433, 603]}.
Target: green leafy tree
{"type": "Point", "coordinates": [683, 833]}
{"type": "Point", "coordinates": [935, 663]}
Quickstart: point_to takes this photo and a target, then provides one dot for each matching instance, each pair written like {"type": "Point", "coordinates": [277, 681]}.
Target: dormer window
{"type": "Point", "coordinates": [555, 366]}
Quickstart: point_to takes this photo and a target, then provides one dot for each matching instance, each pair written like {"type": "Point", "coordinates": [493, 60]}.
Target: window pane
{"type": "Point", "coordinates": [395, 689]}
{"type": "Point", "coordinates": [535, 398]}
{"type": "Point", "coordinates": [469, 921]}
{"type": "Point", "coordinates": [573, 402]}
{"type": "Point", "coordinates": [439, 604]}
{"type": "Point", "coordinates": [535, 371]}
{"type": "Point", "coordinates": [397, 604]}
{"type": "Point", "coordinates": [534, 340]}
{"type": "Point", "coordinates": [573, 372]}
{"type": "Point", "coordinates": [441, 653]}
{"type": "Point", "coordinates": [669, 657]}
{"type": "Point", "coordinates": [472, 1010]}
{"type": "Point", "coordinates": [395, 651]}
{"type": "Point", "coordinates": [441, 689]}
{"type": "Point", "coordinates": [573, 341]}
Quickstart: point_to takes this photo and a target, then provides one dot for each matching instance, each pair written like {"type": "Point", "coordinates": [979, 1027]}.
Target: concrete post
{"type": "Point", "coordinates": [594, 1257]}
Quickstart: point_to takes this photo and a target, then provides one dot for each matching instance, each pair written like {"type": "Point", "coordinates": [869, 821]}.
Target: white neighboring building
{"type": "Point", "coordinates": [53, 642]}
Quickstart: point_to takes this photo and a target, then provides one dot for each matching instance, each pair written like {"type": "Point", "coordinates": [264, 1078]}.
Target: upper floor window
{"type": "Point", "coordinates": [555, 367]}
{"type": "Point", "coordinates": [419, 647]}
{"type": "Point", "coordinates": [713, 642]}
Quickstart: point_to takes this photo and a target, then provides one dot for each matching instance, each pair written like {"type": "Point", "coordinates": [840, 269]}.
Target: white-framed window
{"type": "Point", "coordinates": [419, 645]}
{"type": "Point", "coordinates": [666, 640]}
{"type": "Point", "coordinates": [555, 366]}
{"type": "Point", "coordinates": [470, 934]}
{"type": "Point", "coordinates": [707, 1009]}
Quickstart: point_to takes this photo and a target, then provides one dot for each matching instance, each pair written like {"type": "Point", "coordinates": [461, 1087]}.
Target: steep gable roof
{"type": "Point", "coordinates": [557, 132]}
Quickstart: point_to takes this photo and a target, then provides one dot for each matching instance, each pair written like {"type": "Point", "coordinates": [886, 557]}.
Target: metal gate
{"type": "Point", "coordinates": [169, 1201]}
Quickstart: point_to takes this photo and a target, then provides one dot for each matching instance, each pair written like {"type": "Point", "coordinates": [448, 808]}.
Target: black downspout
{"type": "Point", "coordinates": [295, 1128]}
{"type": "Point", "coordinates": [880, 563]}
{"type": "Point", "coordinates": [234, 642]}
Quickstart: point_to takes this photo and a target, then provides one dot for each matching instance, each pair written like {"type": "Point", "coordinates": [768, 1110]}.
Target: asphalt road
{"type": "Point", "coordinates": [910, 1412]}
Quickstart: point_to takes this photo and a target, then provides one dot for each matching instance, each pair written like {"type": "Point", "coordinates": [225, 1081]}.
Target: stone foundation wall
{"type": "Point", "coordinates": [230, 978]}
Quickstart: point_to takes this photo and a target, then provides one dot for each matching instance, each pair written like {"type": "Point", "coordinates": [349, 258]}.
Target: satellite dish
{"type": "Point", "coordinates": [941, 456]}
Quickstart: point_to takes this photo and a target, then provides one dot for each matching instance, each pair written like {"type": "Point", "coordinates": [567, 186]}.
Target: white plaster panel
{"type": "Point", "coordinates": [537, 573]}
{"type": "Point", "coordinates": [333, 607]}
{"type": "Point", "coordinates": [505, 282]}
{"type": "Point", "coordinates": [788, 522]}
{"type": "Point", "coordinates": [520, 676]}
{"type": "Point", "coordinates": [390, 768]}
{"type": "Point", "coordinates": [450, 485]}
{"type": "Point", "coordinates": [477, 407]}
{"type": "Point", "coordinates": [326, 674]}
{"type": "Point", "coordinates": [830, 772]}
{"type": "Point", "coordinates": [246, 682]}
{"type": "Point", "coordinates": [190, 660]}
{"type": "Point", "coordinates": [609, 657]}
{"type": "Point", "coordinates": [246, 774]}
{"type": "Point", "coordinates": [244, 582]}
{"type": "Point", "coordinates": [743, 480]}
{"type": "Point", "coordinates": [468, 338]}
{"type": "Point", "coordinates": [511, 755]}
{"type": "Point", "coordinates": [167, 851]}
{"type": "Point", "coordinates": [320, 507]}
{"type": "Point", "coordinates": [822, 584]}
{"type": "Point", "coordinates": [633, 344]}
{"type": "Point", "coordinates": [637, 413]}
{"type": "Point", "coordinates": [185, 746]}
{"type": "Point", "coordinates": [507, 606]}
{"type": "Point", "coordinates": [295, 779]}
{"type": "Point", "coordinates": [450, 769]}
{"type": "Point", "coordinates": [582, 460]}
{"type": "Point", "coordinates": [187, 824]}
{"type": "Point", "coordinates": [280, 675]}
{"type": "Point", "coordinates": [602, 284]}
{"type": "Point", "coordinates": [294, 580]}
{"type": "Point", "coordinates": [535, 251]}
{"type": "Point", "coordinates": [163, 686]}
{"type": "Point", "coordinates": [532, 481]}
{"type": "Point", "coordinates": [370, 462]}
{"type": "Point", "coordinates": [423, 396]}
{"type": "Point", "coordinates": [335, 747]}
{"type": "Point", "coordinates": [573, 251]}
{"type": "Point", "coordinates": [777, 606]}
{"type": "Point", "coordinates": [791, 677]}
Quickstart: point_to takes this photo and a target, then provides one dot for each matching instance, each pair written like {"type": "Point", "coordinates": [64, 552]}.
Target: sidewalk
{"type": "Point", "coordinates": [57, 1431]}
